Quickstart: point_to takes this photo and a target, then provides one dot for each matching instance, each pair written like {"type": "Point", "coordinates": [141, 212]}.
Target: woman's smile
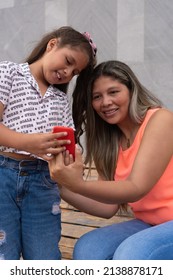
{"type": "Point", "coordinates": [110, 112]}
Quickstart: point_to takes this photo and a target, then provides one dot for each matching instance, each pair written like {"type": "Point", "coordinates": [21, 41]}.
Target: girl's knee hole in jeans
{"type": "Point", "coordinates": [2, 237]}
{"type": "Point", "coordinates": [2, 240]}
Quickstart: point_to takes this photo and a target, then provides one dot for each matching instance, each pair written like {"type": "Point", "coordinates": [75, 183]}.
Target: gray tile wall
{"type": "Point", "coordinates": [138, 32]}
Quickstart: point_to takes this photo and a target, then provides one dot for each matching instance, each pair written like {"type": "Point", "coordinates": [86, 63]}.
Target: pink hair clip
{"type": "Point", "coordinates": [93, 46]}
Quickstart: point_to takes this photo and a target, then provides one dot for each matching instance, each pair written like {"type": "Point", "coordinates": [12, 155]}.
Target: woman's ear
{"type": "Point", "coordinates": [52, 43]}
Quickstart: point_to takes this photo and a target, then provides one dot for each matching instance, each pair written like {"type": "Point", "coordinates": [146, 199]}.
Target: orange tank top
{"type": "Point", "coordinates": [157, 206]}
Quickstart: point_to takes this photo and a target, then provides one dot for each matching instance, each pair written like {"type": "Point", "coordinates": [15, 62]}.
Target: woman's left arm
{"type": "Point", "coordinates": [153, 156]}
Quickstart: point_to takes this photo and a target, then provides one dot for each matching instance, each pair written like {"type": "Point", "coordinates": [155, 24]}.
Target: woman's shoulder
{"type": "Point", "coordinates": [161, 117]}
{"type": "Point", "coordinates": [156, 117]}
{"type": "Point", "coordinates": [161, 113]}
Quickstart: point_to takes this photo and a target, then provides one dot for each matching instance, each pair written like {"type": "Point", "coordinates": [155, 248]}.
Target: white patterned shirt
{"type": "Point", "coordinates": [25, 109]}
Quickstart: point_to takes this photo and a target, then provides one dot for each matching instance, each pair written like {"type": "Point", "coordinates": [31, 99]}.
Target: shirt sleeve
{"type": "Point", "coordinates": [5, 82]}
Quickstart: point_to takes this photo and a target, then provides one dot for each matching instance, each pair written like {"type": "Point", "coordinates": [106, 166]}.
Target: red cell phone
{"type": "Point", "coordinates": [70, 136]}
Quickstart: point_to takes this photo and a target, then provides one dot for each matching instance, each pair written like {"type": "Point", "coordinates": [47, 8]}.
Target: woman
{"type": "Point", "coordinates": [129, 137]}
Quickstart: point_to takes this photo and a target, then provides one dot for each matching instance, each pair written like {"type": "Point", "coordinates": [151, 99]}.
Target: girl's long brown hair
{"type": "Point", "coordinates": [68, 37]}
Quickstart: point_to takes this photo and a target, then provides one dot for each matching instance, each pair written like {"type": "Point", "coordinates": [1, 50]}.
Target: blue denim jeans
{"type": "Point", "coordinates": [131, 240]}
{"type": "Point", "coordinates": [30, 217]}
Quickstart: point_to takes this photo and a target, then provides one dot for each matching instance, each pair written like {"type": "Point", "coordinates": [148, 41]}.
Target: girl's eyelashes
{"type": "Point", "coordinates": [68, 61]}
{"type": "Point", "coordinates": [71, 63]}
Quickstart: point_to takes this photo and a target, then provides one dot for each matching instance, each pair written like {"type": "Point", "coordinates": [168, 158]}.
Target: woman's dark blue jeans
{"type": "Point", "coordinates": [131, 240]}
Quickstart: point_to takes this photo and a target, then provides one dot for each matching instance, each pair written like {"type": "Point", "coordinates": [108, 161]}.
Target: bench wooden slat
{"type": "Point", "coordinates": [79, 218]}
{"type": "Point", "coordinates": [67, 242]}
{"type": "Point", "coordinates": [74, 231]}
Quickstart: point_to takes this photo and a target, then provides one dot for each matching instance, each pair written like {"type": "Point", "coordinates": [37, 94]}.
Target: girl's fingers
{"type": "Point", "coordinates": [57, 143]}
{"type": "Point", "coordinates": [51, 136]}
{"type": "Point", "coordinates": [55, 151]}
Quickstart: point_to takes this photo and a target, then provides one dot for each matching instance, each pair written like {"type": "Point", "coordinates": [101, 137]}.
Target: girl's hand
{"type": "Point", "coordinates": [69, 175]}
{"type": "Point", "coordinates": [45, 145]}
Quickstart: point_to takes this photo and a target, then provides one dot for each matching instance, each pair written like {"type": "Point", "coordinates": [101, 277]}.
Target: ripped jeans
{"type": "Point", "coordinates": [30, 217]}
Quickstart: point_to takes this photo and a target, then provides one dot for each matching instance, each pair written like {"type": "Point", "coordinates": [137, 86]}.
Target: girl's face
{"type": "Point", "coordinates": [110, 99]}
{"type": "Point", "coordinates": [60, 65]}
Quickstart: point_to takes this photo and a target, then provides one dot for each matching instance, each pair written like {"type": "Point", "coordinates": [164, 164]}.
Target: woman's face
{"type": "Point", "coordinates": [110, 99]}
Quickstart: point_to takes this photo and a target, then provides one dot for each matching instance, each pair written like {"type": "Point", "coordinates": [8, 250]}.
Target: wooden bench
{"type": "Point", "coordinates": [76, 223]}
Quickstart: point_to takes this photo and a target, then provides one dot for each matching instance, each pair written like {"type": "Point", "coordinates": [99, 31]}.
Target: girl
{"type": "Point", "coordinates": [129, 137]}
{"type": "Point", "coordinates": [33, 100]}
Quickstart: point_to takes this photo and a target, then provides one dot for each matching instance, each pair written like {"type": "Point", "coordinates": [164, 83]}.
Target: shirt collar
{"type": "Point", "coordinates": [24, 70]}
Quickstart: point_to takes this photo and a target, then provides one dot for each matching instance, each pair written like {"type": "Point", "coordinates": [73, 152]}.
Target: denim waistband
{"type": "Point", "coordinates": [36, 164]}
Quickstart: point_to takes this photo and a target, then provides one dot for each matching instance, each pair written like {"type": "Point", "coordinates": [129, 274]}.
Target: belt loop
{"type": "Point", "coordinates": [3, 159]}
